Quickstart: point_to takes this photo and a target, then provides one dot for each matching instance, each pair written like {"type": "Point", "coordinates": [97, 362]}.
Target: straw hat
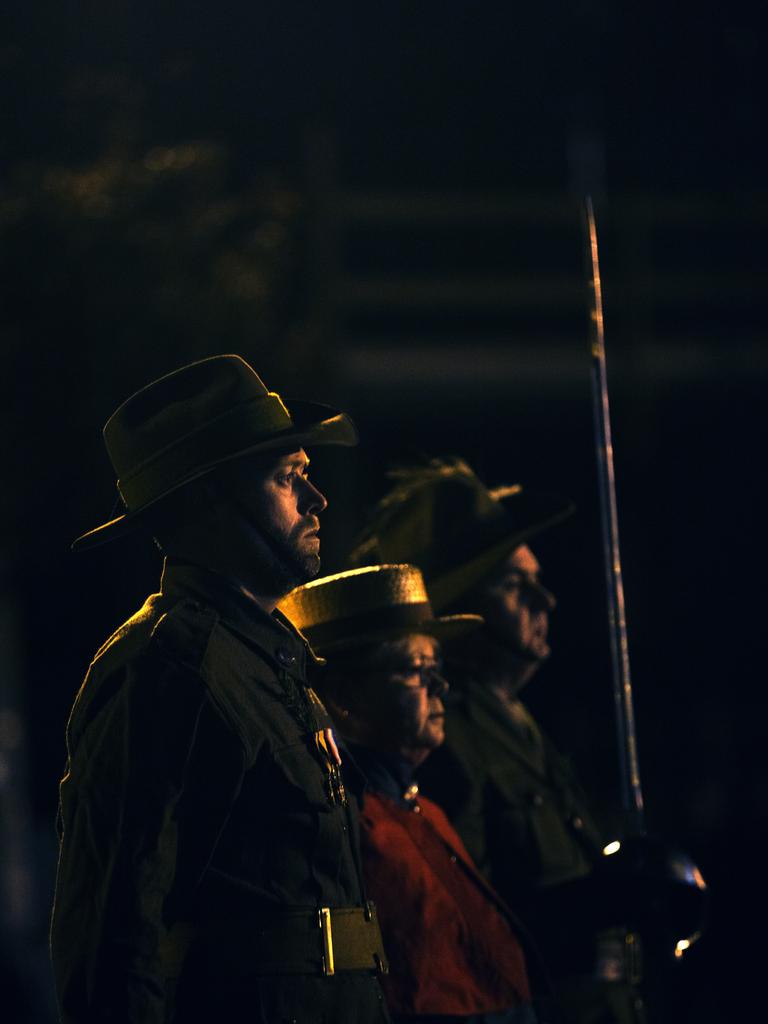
{"type": "Point", "coordinates": [368, 605]}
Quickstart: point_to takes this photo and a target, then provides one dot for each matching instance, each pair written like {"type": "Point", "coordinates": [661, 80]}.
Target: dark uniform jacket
{"type": "Point", "coordinates": [453, 951]}
{"type": "Point", "coordinates": [512, 796]}
{"type": "Point", "coordinates": [516, 803]}
{"type": "Point", "coordinates": [196, 816]}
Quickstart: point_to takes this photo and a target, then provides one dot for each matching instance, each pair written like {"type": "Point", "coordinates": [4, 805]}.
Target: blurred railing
{"type": "Point", "coordinates": [419, 284]}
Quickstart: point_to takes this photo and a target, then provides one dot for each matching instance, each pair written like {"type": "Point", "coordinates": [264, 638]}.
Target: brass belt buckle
{"type": "Point", "coordinates": [324, 920]}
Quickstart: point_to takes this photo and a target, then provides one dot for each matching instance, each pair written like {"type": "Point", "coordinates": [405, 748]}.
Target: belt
{"type": "Point", "coordinates": [324, 941]}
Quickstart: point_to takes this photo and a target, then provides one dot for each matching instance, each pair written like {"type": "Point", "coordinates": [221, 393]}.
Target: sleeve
{"type": "Point", "coordinates": [128, 848]}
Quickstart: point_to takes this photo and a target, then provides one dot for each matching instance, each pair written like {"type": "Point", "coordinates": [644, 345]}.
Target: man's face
{"type": "Point", "coordinates": [400, 701]}
{"type": "Point", "coordinates": [516, 606]}
{"type": "Point", "coordinates": [280, 502]}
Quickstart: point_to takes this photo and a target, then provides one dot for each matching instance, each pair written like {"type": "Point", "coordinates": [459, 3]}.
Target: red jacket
{"type": "Point", "coordinates": [450, 950]}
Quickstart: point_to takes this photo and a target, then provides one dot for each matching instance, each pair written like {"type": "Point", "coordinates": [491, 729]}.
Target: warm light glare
{"type": "Point", "coordinates": [613, 847]}
{"type": "Point", "coordinates": [681, 947]}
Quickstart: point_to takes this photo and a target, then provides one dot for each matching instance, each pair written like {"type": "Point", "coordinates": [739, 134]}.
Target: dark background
{"type": "Point", "coordinates": [377, 206]}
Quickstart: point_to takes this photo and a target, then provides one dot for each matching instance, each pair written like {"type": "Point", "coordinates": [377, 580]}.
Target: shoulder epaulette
{"type": "Point", "coordinates": [184, 631]}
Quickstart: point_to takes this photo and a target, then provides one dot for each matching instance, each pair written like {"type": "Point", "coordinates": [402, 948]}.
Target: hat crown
{"type": "Point", "coordinates": [428, 510]}
{"type": "Point", "coordinates": [368, 605]}
{"type": "Point", "coordinates": [354, 593]}
{"type": "Point", "coordinates": [442, 518]}
{"type": "Point", "coordinates": [175, 405]}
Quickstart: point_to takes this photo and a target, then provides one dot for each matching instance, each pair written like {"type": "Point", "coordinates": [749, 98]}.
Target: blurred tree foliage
{"type": "Point", "coordinates": [151, 213]}
{"type": "Point", "coordinates": [148, 247]}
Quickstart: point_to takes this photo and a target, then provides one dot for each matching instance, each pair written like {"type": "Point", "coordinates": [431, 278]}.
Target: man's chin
{"type": "Point", "coordinates": [537, 652]}
{"type": "Point", "coordinates": [533, 649]}
{"type": "Point", "coordinates": [301, 570]}
{"type": "Point", "coordinates": [311, 567]}
{"type": "Point", "coordinates": [533, 653]}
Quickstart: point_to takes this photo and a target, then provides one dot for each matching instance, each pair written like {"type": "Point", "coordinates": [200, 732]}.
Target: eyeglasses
{"type": "Point", "coordinates": [429, 673]}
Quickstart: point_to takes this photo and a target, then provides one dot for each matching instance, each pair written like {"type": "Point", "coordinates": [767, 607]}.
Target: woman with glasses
{"type": "Point", "coordinates": [454, 948]}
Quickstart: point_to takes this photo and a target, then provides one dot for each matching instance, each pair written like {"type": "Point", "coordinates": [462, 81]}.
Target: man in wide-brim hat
{"type": "Point", "coordinates": [454, 950]}
{"type": "Point", "coordinates": [208, 861]}
{"type": "Point", "coordinates": [512, 796]}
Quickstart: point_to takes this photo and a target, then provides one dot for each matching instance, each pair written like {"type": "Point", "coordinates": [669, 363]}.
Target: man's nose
{"type": "Point", "coordinates": [437, 685]}
{"type": "Point", "coordinates": [312, 500]}
{"type": "Point", "coordinates": [540, 598]}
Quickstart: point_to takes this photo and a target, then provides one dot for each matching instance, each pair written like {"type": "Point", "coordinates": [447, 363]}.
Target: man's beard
{"type": "Point", "coordinates": [504, 644]}
{"type": "Point", "coordinates": [491, 657]}
{"type": "Point", "coordinates": [279, 563]}
{"type": "Point", "coordinates": [285, 565]}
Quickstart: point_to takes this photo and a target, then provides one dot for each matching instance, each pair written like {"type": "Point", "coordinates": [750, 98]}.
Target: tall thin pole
{"type": "Point", "coordinates": [631, 789]}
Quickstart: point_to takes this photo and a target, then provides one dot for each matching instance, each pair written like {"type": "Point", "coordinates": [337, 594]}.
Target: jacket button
{"type": "Point", "coordinates": [537, 800]}
{"type": "Point", "coordinates": [453, 858]}
{"type": "Point", "coordinates": [285, 657]}
{"type": "Point", "coordinates": [577, 822]}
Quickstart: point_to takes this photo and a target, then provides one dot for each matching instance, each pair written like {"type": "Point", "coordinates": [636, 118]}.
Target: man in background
{"type": "Point", "coordinates": [455, 951]}
{"type": "Point", "coordinates": [513, 797]}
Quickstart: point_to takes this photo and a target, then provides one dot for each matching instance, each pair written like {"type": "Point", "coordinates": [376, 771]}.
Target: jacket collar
{"type": "Point", "coordinates": [384, 773]}
{"type": "Point", "coordinates": [484, 707]}
{"type": "Point", "coordinates": [272, 634]}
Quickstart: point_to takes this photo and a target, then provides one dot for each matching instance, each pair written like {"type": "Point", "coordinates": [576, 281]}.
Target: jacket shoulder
{"type": "Point", "coordinates": [131, 636]}
{"type": "Point", "coordinates": [190, 636]}
{"type": "Point", "coordinates": [179, 635]}
{"type": "Point", "coordinates": [184, 632]}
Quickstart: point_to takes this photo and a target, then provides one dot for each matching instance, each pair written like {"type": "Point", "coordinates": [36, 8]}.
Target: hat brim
{"type": "Point", "coordinates": [313, 425]}
{"type": "Point", "coordinates": [446, 627]}
{"type": "Point", "coordinates": [528, 514]}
